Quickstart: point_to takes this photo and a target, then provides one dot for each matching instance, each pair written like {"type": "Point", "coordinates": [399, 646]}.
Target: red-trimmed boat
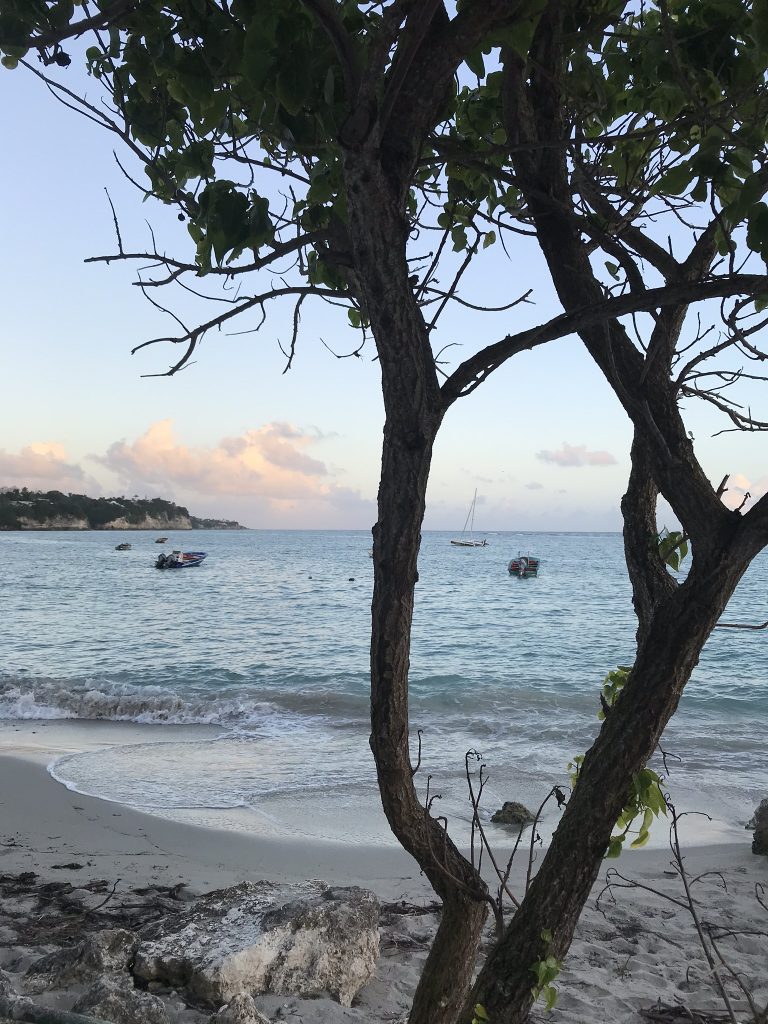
{"type": "Point", "coordinates": [180, 559]}
{"type": "Point", "coordinates": [524, 566]}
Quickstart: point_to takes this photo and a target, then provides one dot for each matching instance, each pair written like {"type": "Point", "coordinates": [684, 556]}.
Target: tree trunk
{"type": "Point", "coordinates": [413, 413]}
{"type": "Point", "coordinates": [667, 654]}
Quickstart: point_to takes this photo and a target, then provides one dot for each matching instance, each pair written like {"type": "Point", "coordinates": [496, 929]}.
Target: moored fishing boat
{"type": "Point", "coordinates": [180, 559]}
{"type": "Point", "coordinates": [524, 566]}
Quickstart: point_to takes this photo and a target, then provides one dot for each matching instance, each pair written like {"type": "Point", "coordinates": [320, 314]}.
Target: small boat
{"type": "Point", "coordinates": [180, 559]}
{"type": "Point", "coordinates": [467, 540]}
{"type": "Point", "coordinates": [123, 547]}
{"type": "Point", "coordinates": [161, 540]}
{"type": "Point", "coordinates": [524, 566]}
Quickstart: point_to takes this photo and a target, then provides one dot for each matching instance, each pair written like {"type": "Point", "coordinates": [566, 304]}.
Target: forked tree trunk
{"type": "Point", "coordinates": [667, 654]}
{"type": "Point", "coordinates": [413, 413]}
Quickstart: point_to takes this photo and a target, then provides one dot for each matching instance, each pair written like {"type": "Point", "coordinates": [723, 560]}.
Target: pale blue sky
{"type": "Point", "coordinates": [69, 382]}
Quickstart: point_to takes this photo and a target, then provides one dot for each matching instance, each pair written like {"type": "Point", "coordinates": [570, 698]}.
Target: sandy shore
{"type": "Point", "coordinates": [630, 952]}
{"type": "Point", "coordinates": [43, 825]}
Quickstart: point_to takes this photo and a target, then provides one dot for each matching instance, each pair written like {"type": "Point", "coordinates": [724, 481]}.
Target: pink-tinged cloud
{"type": "Point", "coordinates": [576, 455]}
{"type": "Point", "coordinates": [268, 462]}
{"type": "Point", "coordinates": [739, 486]}
{"type": "Point", "coordinates": [44, 466]}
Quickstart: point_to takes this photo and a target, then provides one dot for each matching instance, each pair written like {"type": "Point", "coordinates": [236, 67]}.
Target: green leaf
{"type": "Point", "coordinates": [675, 181]}
{"type": "Point", "coordinates": [615, 846]}
{"type": "Point", "coordinates": [476, 64]}
{"type": "Point", "coordinates": [459, 238]}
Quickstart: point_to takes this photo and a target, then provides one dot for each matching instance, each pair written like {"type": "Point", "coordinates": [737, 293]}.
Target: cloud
{"type": "Point", "coordinates": [534, 485]}
{"type": "Point", "coordinates": [44, 466]}
{"type": "Point", "coordinates": [268, 462]}
{"type": "Point", "coordinates": [739, 486]}
{"type": "Point", "coordinates": [576, 455]}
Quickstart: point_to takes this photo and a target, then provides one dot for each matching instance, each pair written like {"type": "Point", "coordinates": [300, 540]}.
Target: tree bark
{"type": "Point", "coordinates": [413, 413]}
{"type": "Point", "coordinates": [678, 628]}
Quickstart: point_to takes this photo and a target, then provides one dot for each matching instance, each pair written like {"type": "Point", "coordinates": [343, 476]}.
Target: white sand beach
{"type": "Point", "coordinates": [634, 950]}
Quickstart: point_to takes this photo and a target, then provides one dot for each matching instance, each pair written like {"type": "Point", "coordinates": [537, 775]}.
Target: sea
{"type": "Point", "coordinates": [236, 694]}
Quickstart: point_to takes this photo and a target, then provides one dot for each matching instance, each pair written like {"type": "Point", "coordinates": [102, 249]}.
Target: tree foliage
{"type": "Point", "coordinates": [314, 146]}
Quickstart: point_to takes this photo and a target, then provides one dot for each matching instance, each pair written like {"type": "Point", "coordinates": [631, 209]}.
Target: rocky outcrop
{"type": "Point", "coordinates": [54, 523]}
{"type": "Point", "coordinates": [759, 823]}
{"type": "Point", "coordinates": [512, 813]}
{"type": "Point", "coordinates": [259, 937]}
{"type": "Point", "coordinates": [114, 999]}
{"type": "Point", "coordinates": [22, 509]}
{"type": "Point", "coordinates": [149, 523]}
{"type": "Point", "coordinates": [109, 951]}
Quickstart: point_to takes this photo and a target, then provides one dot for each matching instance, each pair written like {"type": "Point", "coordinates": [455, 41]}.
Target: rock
{"type": "Point", "coordinates": [116, 1000]}
{"type": "Point", "coordinates": [6, 988]}
{"type": "Point", "coordinates": [513, 813]}
{"type": "Point", "coordinates": [258, 937]}
{"type": "Point", "coordinates": [760, 824]}
{"type": "Point", "coordinates": [240, 1010]}
{"type": "Point", "coordinates": [103, 952]}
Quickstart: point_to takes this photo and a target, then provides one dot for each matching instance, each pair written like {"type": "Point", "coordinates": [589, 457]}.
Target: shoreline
{"type": "Point", "coordinates": [632, 951]}
{"type": "Point", "coordinates": [111, 839]}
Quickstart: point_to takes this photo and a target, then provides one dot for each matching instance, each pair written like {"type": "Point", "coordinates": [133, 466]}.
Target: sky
{"type": "Point", "coordinates": [543, 441]}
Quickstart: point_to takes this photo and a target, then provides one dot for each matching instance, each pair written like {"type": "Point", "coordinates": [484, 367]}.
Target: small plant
{"type": "Point", "coordinates": [613, 684]}
{"type": "Point", "coordinates": [646, 798]}
{"type": "Point", "coordinates": [546, 971]}
{"type": "Point", "coordinates": [479, 1015]}
{"type": "Point", "coordinates": [673, 547]}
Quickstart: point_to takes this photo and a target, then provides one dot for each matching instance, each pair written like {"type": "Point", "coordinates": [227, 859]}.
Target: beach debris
{"type": "Point", "coordinates": [241, 1009]}
{"type": "Point", "coordinates": [259, 937]}
{"type": "Point", "coordinates": [115, 999]}
{"type": "Point", "coordinates": [759, 823]}
{"type": "Point", "coordinates": [683, 1015]}
{"type": "Point", "coordinates": [513, 813]}
{"type": "Point", "coordinates": [108, 951]}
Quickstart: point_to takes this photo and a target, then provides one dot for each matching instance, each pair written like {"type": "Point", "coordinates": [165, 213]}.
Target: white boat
{"type": "Point", "coordinates": [467, 540]}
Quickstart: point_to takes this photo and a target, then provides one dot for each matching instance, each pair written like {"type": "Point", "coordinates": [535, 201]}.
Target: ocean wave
{"type": "Point", "coordinates": [120, 702]}
{"type": "Point", "coordinates": [170, 695]}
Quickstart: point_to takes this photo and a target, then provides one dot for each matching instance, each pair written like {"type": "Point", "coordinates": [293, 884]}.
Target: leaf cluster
{"type": "Point", "coordinates": [546, 970]}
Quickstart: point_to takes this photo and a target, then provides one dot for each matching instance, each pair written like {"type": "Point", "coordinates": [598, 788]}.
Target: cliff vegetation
{"type": "Point", "coordinates": [22, 509]}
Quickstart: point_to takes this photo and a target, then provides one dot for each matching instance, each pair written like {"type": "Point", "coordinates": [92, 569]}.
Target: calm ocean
{"type": "Point", "coordinates": [249, 674]}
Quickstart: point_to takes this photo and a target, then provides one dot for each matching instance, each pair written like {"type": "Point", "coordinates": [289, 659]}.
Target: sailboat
{"type": "Point", "coordinates": [466, 540]}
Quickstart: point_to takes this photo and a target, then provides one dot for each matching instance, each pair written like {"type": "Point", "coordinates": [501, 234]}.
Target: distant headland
{"type": "Point", "coordinates": [22, 509]}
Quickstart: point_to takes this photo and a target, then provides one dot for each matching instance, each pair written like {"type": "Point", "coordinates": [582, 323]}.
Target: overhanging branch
{"type": "Point", "coordinates": [474, 370]}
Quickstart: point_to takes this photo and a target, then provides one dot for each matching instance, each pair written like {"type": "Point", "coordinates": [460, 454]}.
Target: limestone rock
{"type": "Point", "coordinates": [760, 824]}
{"type": "Point", "coordinates": [258, 937]}
{"type": "Point", "coordinates": [116, 1000]}
{"type": "Point", "coordinates": [240, 1010]}
{"type": "Point", "coordinates": [103, 952]}
{"type": "Point", "coordinates": [513, 813]}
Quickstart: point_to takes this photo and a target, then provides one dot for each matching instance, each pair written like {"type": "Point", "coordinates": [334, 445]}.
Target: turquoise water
{"type": "Point", "coordinates": [263, 651]}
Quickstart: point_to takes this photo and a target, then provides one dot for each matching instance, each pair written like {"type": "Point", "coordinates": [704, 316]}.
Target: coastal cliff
{"type": "Point", "coordinates": [22, 509]}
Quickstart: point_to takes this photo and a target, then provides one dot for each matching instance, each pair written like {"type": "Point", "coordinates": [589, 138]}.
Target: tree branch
{"type": "Point", "coordinates": [470, 373]}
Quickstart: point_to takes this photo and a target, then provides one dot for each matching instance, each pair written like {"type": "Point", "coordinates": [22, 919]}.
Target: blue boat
{"type": "Point", "coordinates": [180, 559]}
